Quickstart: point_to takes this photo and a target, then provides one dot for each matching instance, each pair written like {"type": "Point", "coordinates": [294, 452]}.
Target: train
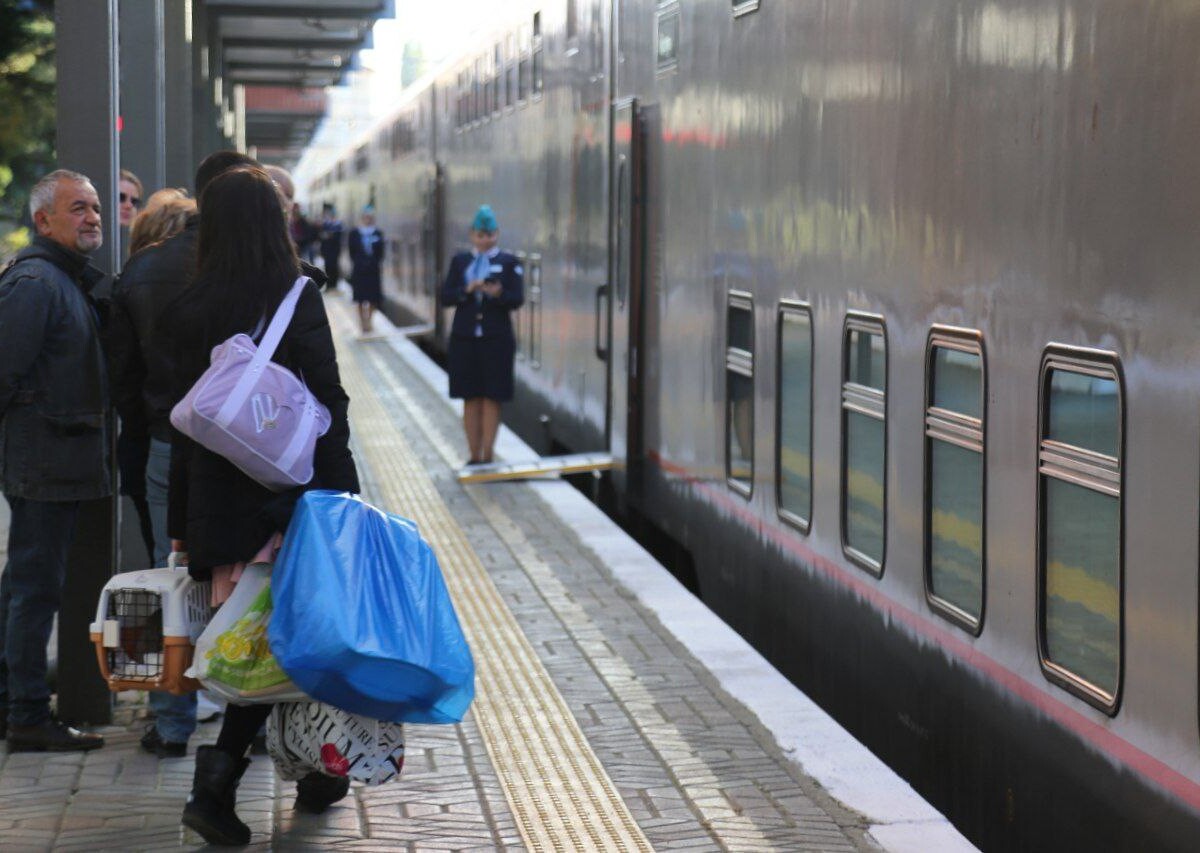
{"type": "Point", "coordinates": [886, 313]}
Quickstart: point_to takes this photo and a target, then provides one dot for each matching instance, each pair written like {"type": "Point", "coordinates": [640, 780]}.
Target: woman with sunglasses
{"type": "Point", "coordinates": [130, 195]}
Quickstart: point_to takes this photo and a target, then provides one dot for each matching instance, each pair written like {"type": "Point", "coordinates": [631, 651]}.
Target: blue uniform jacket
{"type": "Point", "coordinates": [491, 314]}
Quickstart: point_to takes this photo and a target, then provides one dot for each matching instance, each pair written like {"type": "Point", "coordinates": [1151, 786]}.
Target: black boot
{"type": "Point", "coordinates": [317, 792]}
{"type": "Point", "coordinates": [209, 809]}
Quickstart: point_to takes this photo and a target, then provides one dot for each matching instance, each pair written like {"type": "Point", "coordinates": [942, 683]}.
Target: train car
{"type": "Point", "coordinates": [884, 311]}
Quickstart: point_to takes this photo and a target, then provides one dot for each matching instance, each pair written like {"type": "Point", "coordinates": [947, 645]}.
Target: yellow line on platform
{"type": "Point", "coordinates": [559, 792]}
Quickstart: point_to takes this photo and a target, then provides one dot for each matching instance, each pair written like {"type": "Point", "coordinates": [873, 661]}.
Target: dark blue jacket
{"type": "Point", "coordinates": [491, 314]}
{"type": "Point", "coordinates": [54, 423]}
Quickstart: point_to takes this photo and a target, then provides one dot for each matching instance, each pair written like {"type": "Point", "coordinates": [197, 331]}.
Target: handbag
{"type": "Point", "coordinates": [253, 412]}
{"type": "Point", "coordinates": [303, 737]}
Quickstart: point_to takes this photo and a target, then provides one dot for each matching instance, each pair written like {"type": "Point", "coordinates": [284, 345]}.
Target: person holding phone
{"type": "Point", "coordinates": [485, 286]}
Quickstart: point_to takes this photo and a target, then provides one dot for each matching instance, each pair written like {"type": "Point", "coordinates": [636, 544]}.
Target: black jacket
{"type": "Point", "coordinates": [140, 375]}
{"type": "Point", "coordinates": [54, 432]}
{"type": "Point", "coordinates": [365, 262]}
{"type": "Point", "coordinates": [491, 314]}
{"type": "Point", "coordinates": [221, 514]}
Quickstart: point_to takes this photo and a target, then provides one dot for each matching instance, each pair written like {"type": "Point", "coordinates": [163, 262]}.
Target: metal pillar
{"type": "Point", "coordinates": [86, 33]}
{"type": "Point", "coordinates": [142, 91]}
{"type": "Point", "coordinates": [180, 163]}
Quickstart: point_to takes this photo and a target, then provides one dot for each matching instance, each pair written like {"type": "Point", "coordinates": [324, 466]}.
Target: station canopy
{"type": "Point", "coordinates": [285, 52]}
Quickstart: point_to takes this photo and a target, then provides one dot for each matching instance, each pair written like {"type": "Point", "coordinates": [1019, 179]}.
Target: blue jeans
{"type": "Point", "coordinates": [175, 715]}
{"type": "Point", "coordinates": [158, 469]}
{"type": "Point", "coordinates": [39, 538]}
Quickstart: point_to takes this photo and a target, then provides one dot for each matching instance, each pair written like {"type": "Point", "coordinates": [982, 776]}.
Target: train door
{"type": "Point", "coordinates": [624, 290]}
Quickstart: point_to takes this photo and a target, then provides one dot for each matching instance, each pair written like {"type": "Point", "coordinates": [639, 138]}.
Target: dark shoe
{"type": "Point", "coordinates": [153, 743]}
{"type": "Point", "coordinates": [317, 792]}
{"type": "Point", "coordinates": [50, 736]}
{"type": "Point", "coordinates": [209, 810]}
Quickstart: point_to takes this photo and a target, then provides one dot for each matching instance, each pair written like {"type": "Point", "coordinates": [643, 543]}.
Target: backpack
{"type": "Point", "coordinates": [255, 413]}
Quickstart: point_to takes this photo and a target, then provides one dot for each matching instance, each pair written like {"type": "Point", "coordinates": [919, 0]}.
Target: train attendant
{"type": "Point", "coordinates": [366, 255]}
{"type": "Point", "coordinates": [484, 285]}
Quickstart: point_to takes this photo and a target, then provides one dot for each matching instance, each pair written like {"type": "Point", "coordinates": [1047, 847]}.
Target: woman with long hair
{"type": "Point", "coordinates": [246, 264]}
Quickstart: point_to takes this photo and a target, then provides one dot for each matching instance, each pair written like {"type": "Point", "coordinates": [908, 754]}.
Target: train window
{"type": "Point", "coordinates": [793, 427]}
{"type": "Point", "coordinates": [523, 67]}
{"type": "Point", "coordinates": [864, 441]}
{"type": "Point", "coordinates": [667, 36]}
{"type": "Point", "coordinates": [572, 18]}
{"type": "Point", "coordinates": [511, 77]}
{"type": "Point", "coordinates": [739, 392]}
{"type": "Point", "coordinates": [954, 475]}
{"type": "Point", "coordinates": [497, 79]}
{"type": "Point", "coordinates": [477, 93]}
{"type": "Point", "coordinates": [744, 7]}
{"type": "Point", "coordinates": [1080, 523]}
{"type": "Point", "coordinates": [537, 84]}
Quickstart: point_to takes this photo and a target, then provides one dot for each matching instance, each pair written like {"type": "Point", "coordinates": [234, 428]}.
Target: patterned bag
{"type": "Point", "coordinates": [307, 736]}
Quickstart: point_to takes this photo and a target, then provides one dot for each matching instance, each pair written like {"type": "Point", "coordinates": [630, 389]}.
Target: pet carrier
{"type": "Point", "coordinates": [146, 627]}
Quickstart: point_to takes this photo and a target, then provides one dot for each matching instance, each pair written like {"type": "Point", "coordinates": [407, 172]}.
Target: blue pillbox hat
{"type": "Point", "coordinates": [484, 219]}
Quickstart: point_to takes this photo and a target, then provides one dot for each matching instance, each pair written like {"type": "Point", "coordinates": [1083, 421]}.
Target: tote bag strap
{"type": "Point", "coordinates": [245, 384]}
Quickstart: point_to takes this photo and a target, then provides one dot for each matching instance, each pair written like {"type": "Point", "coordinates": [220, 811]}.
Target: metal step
{"type": "Point", "coordinates": [547, 466]}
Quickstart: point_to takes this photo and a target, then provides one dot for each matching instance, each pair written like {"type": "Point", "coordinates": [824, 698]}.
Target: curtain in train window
{"type": "Point", "coordinates": [794, 465]}
{"type": "Point", "coordinates": [739, 393]}
{"type": "Point", "coordinates": [1080, 516]}
{"type": "Point", "coordinates": [954, 458]}
{"type": "Point", "coordinates": [864, 442]}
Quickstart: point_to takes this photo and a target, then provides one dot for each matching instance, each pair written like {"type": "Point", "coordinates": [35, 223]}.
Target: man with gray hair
{"type": "Point", "coordinates": [53, 442]}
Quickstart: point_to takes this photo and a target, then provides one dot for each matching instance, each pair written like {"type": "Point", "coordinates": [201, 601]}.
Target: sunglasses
{"type": "Point", "coordinates": [132, 199]}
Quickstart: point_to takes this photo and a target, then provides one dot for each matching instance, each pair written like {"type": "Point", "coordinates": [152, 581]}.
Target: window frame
{"type": "Point", "coordinates": [874, 324]}
{"type": "Point", "coordinates": [1101, 364]}
{"type": "Point", "coordinates": [665, 11]}
{"type": "Point", "coordinates": [801, 308]}
{"type": "Point", "coordinates": [968, 341]}
{"type": "Point", "coordinates": [741, 362]}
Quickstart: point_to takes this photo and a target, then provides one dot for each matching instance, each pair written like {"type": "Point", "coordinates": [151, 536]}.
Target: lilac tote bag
{"type": "Point", "coordinates": [254, 412]}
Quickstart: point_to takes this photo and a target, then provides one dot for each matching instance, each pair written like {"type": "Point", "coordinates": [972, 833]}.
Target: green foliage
{"type": "Point", "coordinates": [27, 110]}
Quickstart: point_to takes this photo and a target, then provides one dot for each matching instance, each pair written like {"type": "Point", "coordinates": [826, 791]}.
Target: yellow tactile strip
{"type": "Point", "coordinates": [560, 794]}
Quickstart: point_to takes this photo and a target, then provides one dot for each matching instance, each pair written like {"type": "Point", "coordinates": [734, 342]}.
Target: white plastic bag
{"type": "Point", "coordinates": [307, 736]}
{"type": "Point", "coordinates": [232, 658]}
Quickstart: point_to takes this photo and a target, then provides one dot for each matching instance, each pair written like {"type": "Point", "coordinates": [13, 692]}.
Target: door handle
{"type": "Point", "coordinates": [601, 351]}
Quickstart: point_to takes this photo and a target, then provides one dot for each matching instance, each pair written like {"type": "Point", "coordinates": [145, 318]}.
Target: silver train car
{"type": "Point", "coordinates": [886, 310]}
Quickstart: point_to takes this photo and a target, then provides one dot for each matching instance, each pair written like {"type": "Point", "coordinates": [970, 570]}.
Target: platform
{"type": "Point", "coordinates": [614, 712]}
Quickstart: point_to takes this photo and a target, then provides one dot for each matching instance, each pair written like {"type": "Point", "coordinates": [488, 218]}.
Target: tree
{"type": "Point", "coordinates": [27, 111]}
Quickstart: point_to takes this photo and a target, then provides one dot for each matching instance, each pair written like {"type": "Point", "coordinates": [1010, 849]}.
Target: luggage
{"type": "Point", "coordinates": [253, 412]}
{"type": "Point", "coordinates": [363, 620]}
{"type": "Point", "coordinates": [232, 657]}
{"type": "Point", "coordinates": [146, 625]}
{"type": "Point", "coordinates": [307, 736]}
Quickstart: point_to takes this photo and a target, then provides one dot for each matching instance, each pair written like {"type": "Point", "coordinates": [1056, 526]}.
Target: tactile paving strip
{"type": "Point", "coordinates": [559, 792]}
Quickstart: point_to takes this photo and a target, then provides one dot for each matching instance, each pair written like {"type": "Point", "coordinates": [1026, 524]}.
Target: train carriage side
{"type": "Point", "coordinates": [852, 203]}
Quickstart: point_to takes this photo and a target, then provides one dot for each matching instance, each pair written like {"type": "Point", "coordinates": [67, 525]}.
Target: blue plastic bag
{"type": "Point", "coordinates": [362, 618]}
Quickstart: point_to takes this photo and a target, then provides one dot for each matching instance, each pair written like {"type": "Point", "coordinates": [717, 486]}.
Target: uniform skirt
{"type": "Point", "coordinates": [481, 367]}
{"type": "Point", "coordinates": [366, 286]}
